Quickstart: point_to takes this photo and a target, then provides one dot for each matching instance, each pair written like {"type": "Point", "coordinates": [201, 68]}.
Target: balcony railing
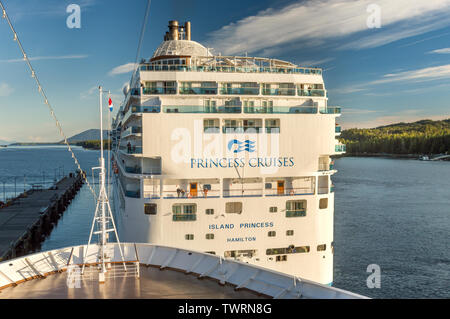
{"type": "Point", "coordinates": [133, 170]}
{"type": "Point", "coordinates": [289, 191]}
{"type": "Point", "coordinates": [296, 213]}
{"type": "Point", "coordinates": [132, 130]}
{"type": "Point", "coordinates": [331, 110]}
{"type": "Point", "coordinates": [184, 217]}
{"type": "Point", "coordinates": [311, 92]}
{"type": "Point", "coordinates": [280, 109]}
{"type": "Point", "coordinates": [131, 150]}
{"type": "Point", "coordinates": [213, 193]}
{"type": "Point", "coordinates": [340, 148]}
{"type": "Point", "coordinates": [133, 194]}
{"type": "Point", "coordinates": [151, 195]}
{"type": "Point", "coordinates": [159, 90]}
{"type": "Point", "coordinates": [202, 109]}
{"type": "Point", "coordinates": [286, 91]}
{"type": "Point", "coordinates": [243, 91]}
{"type": "Point", "coordinates": [337, 129]}
{"type": "Point", "coordinates": [205, 91]}
{"type": "Point", "coordinates": [255, 192]}
{"type": "Point", "coordinates": [228, 69]}
{"type": "Point", "coordinates": [145, 109]}
{"type": "Point", "coordinates": [250, 130]}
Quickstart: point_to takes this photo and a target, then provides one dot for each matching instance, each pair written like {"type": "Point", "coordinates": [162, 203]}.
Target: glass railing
{"type": "Point", "coordinates": [184, 90]}
{"type": "Point", "coordinates": [250, 130]}
{"type": "Point", "coordinates": [243, 91]}
{"type": "Point", "coordinates": [133, 194]}
{"type": "Point", "coordinates": [296, 213]}
{"type": "Point", "coordinates": [133, 170]}
{"type": "Point", "coordinates": [201, 109]}
{"type": "Point", "coordinates": [228, 69]}
{"type": "Point", "coordinates": [331, 110]}
{"type": "Point", "coordinates": [145, 109]}
{"type": "Point", "coordinates": [340, 148]}
{"type": "Point", "coordinates": [131, 149]}
{"type": "Point", "coordinates": [272, 130]}
{"type": "Point", "coordinates": [290, 92]}
{"type": "Point", "coordinates": [150, 91]}
{"type": "Point", "coordinates": [280, 109]}
{"type": "Point", "coordinates": [311, 92]}
{"type": "Point", "coordinates": [337, 129]}
{"type": "Point", "coordinates": [184, 217]}
{"type": "Point", "coordinates": [211, 129]}
{"type": "Point", "coordinates": [332, 189]}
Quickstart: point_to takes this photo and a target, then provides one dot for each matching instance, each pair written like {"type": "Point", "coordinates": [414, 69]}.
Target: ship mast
{"type": "Point", "coordinates": [103, 217]}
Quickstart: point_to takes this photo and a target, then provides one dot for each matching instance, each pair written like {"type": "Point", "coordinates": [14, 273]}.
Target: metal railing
{"type": "Point", "coordinates": [201, 109]}
{"type": "Point", "coordinates": [213, 193]}
{"type": "Point", "coordinates": [331, 110]}
{"type": "Point", "coordinates": [289, 191]}
{"type": "Point", "coordinates": [198, 90]}
{"type": "Point", "coordinates": [246, 192]}
{"type": "Point", "coordinates": [340, 148]}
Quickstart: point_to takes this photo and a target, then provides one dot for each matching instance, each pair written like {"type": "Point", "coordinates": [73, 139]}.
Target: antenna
{"type": "Point", "coordinates": [103, 217]}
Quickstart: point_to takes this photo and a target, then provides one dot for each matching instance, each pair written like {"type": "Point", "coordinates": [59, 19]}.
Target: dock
{"type": "Point", "coordinates": [30, 217]}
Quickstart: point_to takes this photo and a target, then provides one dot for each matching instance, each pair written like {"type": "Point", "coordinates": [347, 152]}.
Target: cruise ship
{"type": "Point", "coordinates": [227, 155]}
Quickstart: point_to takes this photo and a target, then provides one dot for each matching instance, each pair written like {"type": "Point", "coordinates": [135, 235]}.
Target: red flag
{"type": "Point", "coordinates": [110, 104]}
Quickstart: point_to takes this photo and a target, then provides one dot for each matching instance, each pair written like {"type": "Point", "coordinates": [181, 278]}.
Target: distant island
{"type": "Point", "coordinates": [89, 139]}
{"type": "Point", "coordinates": [417, 138]}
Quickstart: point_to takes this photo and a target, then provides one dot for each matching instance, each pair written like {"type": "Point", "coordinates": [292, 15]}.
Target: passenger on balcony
{"type": "Point", "coordinates": [129, 147]}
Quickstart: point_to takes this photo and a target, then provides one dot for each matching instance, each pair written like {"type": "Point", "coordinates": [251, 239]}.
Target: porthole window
{"type": "Point", "coordinates": [209, 211]}
{"type": "Point", "coordinates": [209, 236]}
{"type": "Point", "coordinates": [150, 209]}
{"type": "Point", "coordinates": [189, 236]}
{"type": "Point", "coordinates": [289, 232]}
{"type": "Point", "coordinates": [272, 233]}
{"type": "Point", "coordinates": [323, 203]}
{"type": "Point", "coordinates": [322, 247]}
{"type": "Point", "coordinates": [273, 209]}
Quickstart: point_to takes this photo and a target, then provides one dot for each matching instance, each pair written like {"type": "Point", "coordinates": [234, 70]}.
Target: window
{"type": "Point", "coordinates": [184, 212]}
{"type": "Point", "coordinates": [211, 126]}
{"type": "Point", "coordinates": [209, 236]}
{"type": "Point", "coordinates": [233, 208]}
{"type": "Point", "coordinates": [281, 258]}
{"type": "Point", "coordinates": [239, 253]}
{"type": "Point", "coordinates": [273, 209]}
{"type": "Point", "coordinates": [209, 211]}
{"type": "Point", "coordinates": [210, 252]}
{"type": "Point", "coordinates": [272, 233]}
{"type": "Point", "coordinates": [189, 236]}
{"type": "Point", "coordinates": [289, 233]}
{"type": "Point", "coordinates": [272, 125]}
{"type": "Point", "coordinates": [296, 208]}
{"type": "Point", "coordinates": [322, 247]}
{"type": "Point", "coordinates": [289, 250]}
{"type": "Point", "coordinates": [252, 125]}
{"type": "Point", "coordinates": [323, 203]}
{"type": "Point", "coordinates": [150, 209]}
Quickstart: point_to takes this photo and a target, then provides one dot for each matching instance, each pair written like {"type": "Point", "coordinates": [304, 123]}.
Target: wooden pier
{"type": "Point", "coordinates": [30, 217]}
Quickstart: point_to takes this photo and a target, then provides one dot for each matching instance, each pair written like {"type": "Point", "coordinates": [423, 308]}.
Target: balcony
{"type": "Point", "coordinates": [184, 217]}
{"type": "Point", "coordinates": [337, 129]}
{"type": "Point", "coordinates": [281, 109]}
{"type": "Point", "coordinates": [198, 90]}
{"type": "Point", "coordinates": [158, 90]}
{"type": "Point", "coordinates": [202, 109]}
{"type": "Point", "coordinates": [289, 191]}
{"type": "Point", "coordinates": [133, 194]}
{"type": "Point", "coordinates": [326, 167]}
{"type": "Point", "coordinates": [331, 110]}
{"type": "Point", "coordinates": [145, 109]}
{"type": "Point", "coordinates": [311, 92]}
{"type": "Point", "coordinates": [296, 213]}
{"type": "Point", "coordinates": [280, 91]}
{"type": "Point", "coordinates": [243, 192]}
{"type": "Point", "coordinates": [340, 148]}
{"type": "Point", "coordinates": [240, 91]}
{"type": "Point", "coordinates": [132, 130]}
{"type": "Point", "coordinates": [233, 130]}
{"type": "Point", "coordinates": [213, 193]}
{"type": "Point", "coordinates": [131, 150]}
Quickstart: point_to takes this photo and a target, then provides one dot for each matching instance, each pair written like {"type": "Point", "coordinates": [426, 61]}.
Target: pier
{"type": "Point", "coordinates": [27, 219]}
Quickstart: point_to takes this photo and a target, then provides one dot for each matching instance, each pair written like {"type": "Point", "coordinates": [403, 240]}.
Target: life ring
{"type": "Point", "coordinates": [189, 195]}
{"type": "Point", "coordinates": [292, 192]}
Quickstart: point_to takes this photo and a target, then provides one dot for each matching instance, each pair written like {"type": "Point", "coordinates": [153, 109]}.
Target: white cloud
{"type": "Point", "coordinates": [36, 58]}
{"type": "Point", "coordinates": [319, 22]}
{"type": "Point", "coordinates": [420, 75]}
{"type": "Point", "coordinates": [5, 89]}
{"type": "Point", "coordinates": [124, 68]}
{"type": "Point", "coordinates": [441, 51]}
{"type": "Point", "coordinates": [88, 93]}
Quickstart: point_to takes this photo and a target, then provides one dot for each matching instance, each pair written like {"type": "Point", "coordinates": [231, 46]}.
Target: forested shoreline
{"type": "Point", "coordinates": [421, 137]}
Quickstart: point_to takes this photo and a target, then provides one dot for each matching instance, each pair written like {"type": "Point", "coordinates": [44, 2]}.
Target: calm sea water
{"type": "Point", "coordinates": [392, 213]}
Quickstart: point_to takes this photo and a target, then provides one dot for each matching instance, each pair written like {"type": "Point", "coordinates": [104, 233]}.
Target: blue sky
{"type": "Point", "coordinates": [399, 72]}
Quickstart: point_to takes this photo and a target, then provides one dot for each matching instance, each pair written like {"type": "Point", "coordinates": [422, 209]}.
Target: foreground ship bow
{"type": "Point", "coordinates": [228, 155]}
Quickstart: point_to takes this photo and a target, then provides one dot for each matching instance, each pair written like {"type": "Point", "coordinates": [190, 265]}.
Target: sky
{"type": "Point", "coordinates": [383, 61]}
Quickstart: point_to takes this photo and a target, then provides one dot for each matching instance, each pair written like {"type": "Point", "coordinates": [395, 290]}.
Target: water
{"type": "Point", "coordinates": [393, 213]}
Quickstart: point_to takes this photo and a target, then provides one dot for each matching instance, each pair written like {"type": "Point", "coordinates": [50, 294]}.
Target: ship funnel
{"type": "Point", "coordinates": [173, 30]}
{"type": "Point", "coordinates": [178, 32]}
{"type": "Point", "coordinates": [187, 27]}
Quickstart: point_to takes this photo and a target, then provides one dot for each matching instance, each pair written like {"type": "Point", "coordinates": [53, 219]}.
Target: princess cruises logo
{"type": "Point", "coordinates": [237, 146]}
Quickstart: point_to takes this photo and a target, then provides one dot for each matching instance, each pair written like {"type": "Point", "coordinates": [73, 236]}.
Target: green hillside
{"type": "Point", "coordinates": [421, 137]}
